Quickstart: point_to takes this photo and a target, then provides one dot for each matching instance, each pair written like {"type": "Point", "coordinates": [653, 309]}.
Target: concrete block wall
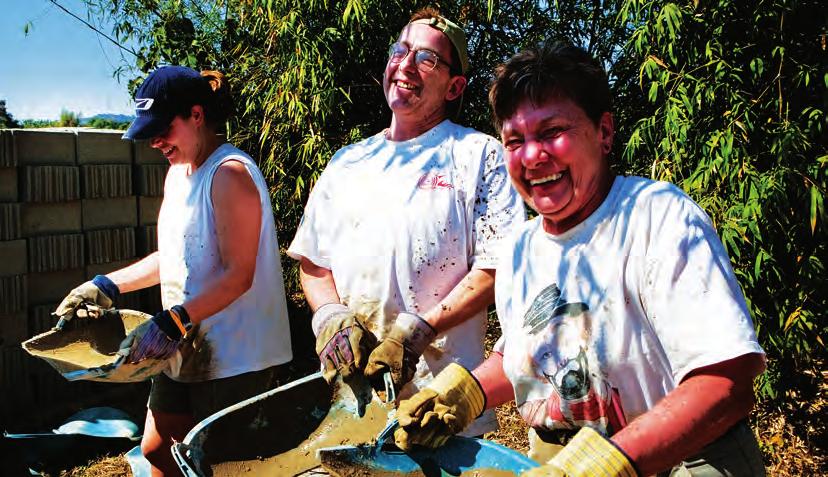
{"type": "Point", "coordinates": [74, 203]}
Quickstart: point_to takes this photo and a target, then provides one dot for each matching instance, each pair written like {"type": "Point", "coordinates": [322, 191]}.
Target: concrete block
{"type": "Point", "coordinates": [101, 147]}
{"type": "Point", "coordinates": [151, 299]}
{"type": "Point", "coordinates": [13, 258]}
{"type": "Point", "coordinates": [8, 184]}
{"type": "Point", "coordinates": [49, 183]}
{"type": "Point", "coordinates": [147, 239]}
{"type": "Point", "coordinates": [50, 218]}
{"type": "Point", "coordinates": [41, 319]}
{"type": "Point", "coordinates": [104, 268]}
{"type": "Point", "coordinates": [109, 213]}
{"type": "Point", "coordinates": [7, 153]}
{"type": "Point", "coordinates": [51, 253]}
{"type": "Point", "coordinates": [39, 147]}
{"type": "Point", "coordinates": [13, 370]}
{"type": "Point", "coordinates": [109, 245]}
{"type": "Point", "coordinates": [148, 208]}
{"type": "Point", "coordinates": [150, 179]}
{"type": "Point", "coordinates": [14, 328]}
{"type": "Point", "coordinates": [132, 301]}
{"type": "Point", "coordinates": [9, 221]}
{"type": "Point", "coordinates": [50, 287]}
{"type": "Point", "coordinates": [144, 154]}
{"type": "Point", "coordinates": [47, 383]}
{"type": "Point", "coordinates": [108, 180]}
{"type": "Point", "coordinates": [13, 293]}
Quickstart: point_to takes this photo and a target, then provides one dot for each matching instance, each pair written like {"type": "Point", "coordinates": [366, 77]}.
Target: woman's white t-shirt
{"type": "Point", "coordinates": [601, 322]}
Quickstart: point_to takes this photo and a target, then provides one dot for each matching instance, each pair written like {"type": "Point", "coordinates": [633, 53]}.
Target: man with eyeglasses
{"type": "Point", "coordinates": [398, 242]}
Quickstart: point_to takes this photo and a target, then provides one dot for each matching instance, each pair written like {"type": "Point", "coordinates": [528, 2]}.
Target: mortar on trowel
{"type": "Point", "coordinates": [459, 456]}
{"type": "Point", "coordinates": [87, 348]}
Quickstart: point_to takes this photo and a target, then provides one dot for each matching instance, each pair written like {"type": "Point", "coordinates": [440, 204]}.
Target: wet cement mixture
{"type": "Point", "coordinates": [339, 427]}
{"type": "Point", "coordinates": [90, 346]}
{"type": "Point", "coordinates": [84, 343]}
{"type": "Point", "coordinates": [80, 353]}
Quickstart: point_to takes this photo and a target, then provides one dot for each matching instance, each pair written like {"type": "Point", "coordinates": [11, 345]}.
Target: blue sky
{"type": "Point", "coordinates": [60, 64]}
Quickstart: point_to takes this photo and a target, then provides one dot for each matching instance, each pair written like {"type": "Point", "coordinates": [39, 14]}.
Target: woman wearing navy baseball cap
{"type": "Point", "coordinates": [224, 327]}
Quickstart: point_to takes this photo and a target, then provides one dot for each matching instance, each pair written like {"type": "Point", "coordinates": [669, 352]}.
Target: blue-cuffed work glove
{"type": "Point", "coordinates": [89, 299]}
{"type": "Point", "coordinates": [158, 338]}
{"type": "Point", "coordinates": [342, 342]}
{"type": "Point", "coordinates": [400, 350]}
{"type": "Point", "coordinates": [587, 454]}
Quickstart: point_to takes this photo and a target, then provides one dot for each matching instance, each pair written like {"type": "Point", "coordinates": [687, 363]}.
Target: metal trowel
{"type": "Point", "coordinates": [458, 455]}
{"type": "Point", "coordinates": [338, 458]}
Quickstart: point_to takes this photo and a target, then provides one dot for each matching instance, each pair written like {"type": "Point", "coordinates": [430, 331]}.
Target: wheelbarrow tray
{"type": "Point", "coordinates": [278, 432]}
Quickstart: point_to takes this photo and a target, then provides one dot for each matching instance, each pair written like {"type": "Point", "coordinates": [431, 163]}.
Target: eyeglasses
{"type": "Point", "coordinates": [426, 60]}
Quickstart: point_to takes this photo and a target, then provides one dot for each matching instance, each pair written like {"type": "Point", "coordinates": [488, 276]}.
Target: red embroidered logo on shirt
{"type": "Point", "coordinates": [433, 182]}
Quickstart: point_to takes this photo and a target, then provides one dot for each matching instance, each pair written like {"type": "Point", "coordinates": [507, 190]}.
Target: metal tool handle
{"type": "Point", "coordinates": [390, 398]}
{"type": "Point", "coordinates": [384, 434]}
{"type": "Point", "coordinates": [390, 392]}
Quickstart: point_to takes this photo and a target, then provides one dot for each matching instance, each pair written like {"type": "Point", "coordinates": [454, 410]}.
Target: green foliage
{"type": "Point", "coordinates": [726, 99]}
{"type": "Point", "coordinates": [103, 123]}
{"type": "Point", "coordinates": [736, 116]}
{"type": "Point", "coordinates": [68, 119]}
{"type": "Point", "coordinates": [38, 123]}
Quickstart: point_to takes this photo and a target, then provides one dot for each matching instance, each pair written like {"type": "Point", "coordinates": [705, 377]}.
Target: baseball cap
{"type": "Point", "coordinates": [454, 33]}
{"type": "Point", "coordinates": [167, 92]}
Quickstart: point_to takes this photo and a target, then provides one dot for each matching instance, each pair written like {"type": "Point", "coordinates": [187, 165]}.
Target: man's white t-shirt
{"type": "Point", "coordinates": [250, 334]}
{"type": "Point", "coordinates": [399, 224]}
{"type": "Point", "coordinates": [601, 322]}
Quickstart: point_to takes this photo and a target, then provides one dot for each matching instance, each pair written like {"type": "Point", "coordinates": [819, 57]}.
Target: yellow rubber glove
{"type": "Point", "coordinates": [443, 408]}
{"type": "Point", "coordinates": [400, 350]}
{"type": "Point", "coordinates": [587, 454]}
{"type": "Point", "coordinates": [342, 343]}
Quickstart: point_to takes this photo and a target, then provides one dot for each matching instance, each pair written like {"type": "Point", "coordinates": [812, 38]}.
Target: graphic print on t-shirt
{"type": "Point", "coordinates": [562, 353]}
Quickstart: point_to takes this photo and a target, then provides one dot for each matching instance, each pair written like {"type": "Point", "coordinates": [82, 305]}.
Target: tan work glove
{"type": "Point", "coordinates": [400, 350]}
{"type": "Point", "coordinates": [342, 343]}
{"type": "Point", "coordinates": [89, 299]}
{"type": "Point", "coordinates": [443, 408]}
{"type": "Point", "coordinates": [587, 454]}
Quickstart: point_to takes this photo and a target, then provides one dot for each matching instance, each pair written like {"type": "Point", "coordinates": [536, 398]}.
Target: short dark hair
{"type": "Point", "coordinates": [550, 70]}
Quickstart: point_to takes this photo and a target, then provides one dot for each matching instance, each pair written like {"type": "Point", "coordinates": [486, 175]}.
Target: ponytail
{"type": "Point", "coordinates": [219, 106]}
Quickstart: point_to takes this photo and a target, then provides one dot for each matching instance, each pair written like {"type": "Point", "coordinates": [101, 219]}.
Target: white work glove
{"type": "Point", "coordinates": [342, 342]}
{"type": "Point", "coordinates": [89, 299]}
